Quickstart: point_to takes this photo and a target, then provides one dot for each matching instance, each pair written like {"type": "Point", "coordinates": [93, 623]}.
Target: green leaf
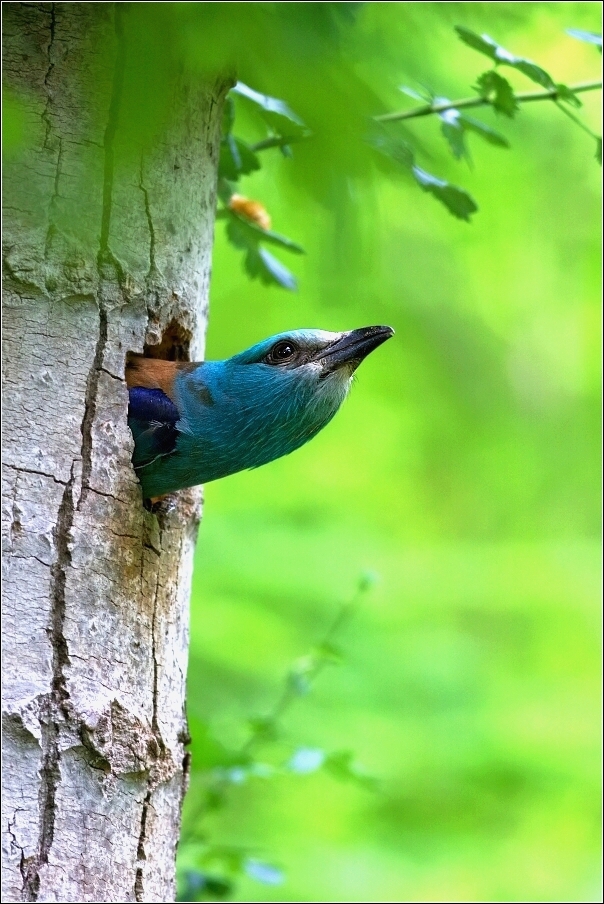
{"type": "Point", "coordinates": [276, 113]}
{"type": "Point", "coordinates": [531, 70]}
{"type": "Point", "coordinates": [453, 131]}
{"type": "Point", "coordinates": [483, 44]}
{"type": "Point", "coordinates": [502, 57]}
{"type": "Point", "coordinates": [486, 132]}
{"type": "Point", "coordinates": [599, 150]}
{"type": "Point", "coordinates": [424, 97]}
{"type": "Point", "coordinates": [568, 96]}
{"type": "Point", "coordinates": [455, 199]}
{"type": "Point", "coordinates": [237, 232]}
{"type": "Point", "coordinates": [455, 124]}
{"type": "Point", "coordinates": [236, 158]}
{"type": "Point", "coordinates": [394, 148]}
{"type": "Point", "coordinates": [589, 36]}
{"type": "Point", "coordinates": [262, 265]}
{"type": "Point", "coordinates": [498, 91]}
{"type": "Point", "coordinates": [259, 263]}
{"type": "Point", "coordinates": [266, 103]}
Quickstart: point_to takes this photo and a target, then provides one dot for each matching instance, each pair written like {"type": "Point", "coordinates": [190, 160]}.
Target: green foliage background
{"type": "Point", "coordinates": [464, 469]}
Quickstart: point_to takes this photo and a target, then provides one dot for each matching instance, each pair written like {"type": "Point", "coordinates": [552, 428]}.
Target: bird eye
{"type": "Point", "coordinates": [281, 352]}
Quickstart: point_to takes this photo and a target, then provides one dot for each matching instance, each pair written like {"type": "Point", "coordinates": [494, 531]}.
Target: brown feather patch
{"type": "Point", "coordinates": [151, 373]}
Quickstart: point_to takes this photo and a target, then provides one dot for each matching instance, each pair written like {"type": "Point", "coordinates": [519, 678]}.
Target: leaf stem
{"type": "Point", "coordinates": [274, 141]}
{"type": "Point", "coordinates": [551, 94]}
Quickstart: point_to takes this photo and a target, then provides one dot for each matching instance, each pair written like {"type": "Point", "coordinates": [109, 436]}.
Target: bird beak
{"type": "Point", "coordinates": [351, 348]}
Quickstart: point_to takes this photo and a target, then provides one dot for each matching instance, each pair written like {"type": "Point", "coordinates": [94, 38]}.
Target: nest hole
{"type": "Point", "coordinates": [175, 344]}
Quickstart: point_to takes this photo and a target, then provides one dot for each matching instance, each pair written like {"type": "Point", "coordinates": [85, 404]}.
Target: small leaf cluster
{"type": "Point", "coordinates": [394, 148]}
{"type": "Point", "coordinates": [496, 90]}
{"type": "Point", "coordinates": [217, 868]}
{"type": "Point", "coordinates": [246, 230]}
{"type": "Point", "coordinates": [248, 223]}
{"type": "Point", "coordinates": [493, 90]}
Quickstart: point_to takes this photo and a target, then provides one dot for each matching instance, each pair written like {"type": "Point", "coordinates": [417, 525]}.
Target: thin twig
{"type": "Point", "coordinates": [551, 94]}
{"type": "Point", "coordinates": [289, 693]}
{"type": "Point", "coordinates": [576, 120]}
{"type": "Point", "coordinates": [287, 697]}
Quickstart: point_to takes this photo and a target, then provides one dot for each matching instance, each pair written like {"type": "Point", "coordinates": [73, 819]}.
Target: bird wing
{"type": "Point", "coordinates": [152, 417]}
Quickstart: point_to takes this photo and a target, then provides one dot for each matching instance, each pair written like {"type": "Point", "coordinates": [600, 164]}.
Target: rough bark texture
{"type": "Point", "coordinates": [106, 250]}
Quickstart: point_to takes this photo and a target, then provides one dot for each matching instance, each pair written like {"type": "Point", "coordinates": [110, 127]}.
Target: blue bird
{"type": "Point", "coordinates": [193, 423]}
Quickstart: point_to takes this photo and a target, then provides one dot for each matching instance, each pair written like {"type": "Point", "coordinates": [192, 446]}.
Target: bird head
{"type": "Point", "coordinates": [315, 355]}
{"type": "Point", "coordinates": [273, 397]}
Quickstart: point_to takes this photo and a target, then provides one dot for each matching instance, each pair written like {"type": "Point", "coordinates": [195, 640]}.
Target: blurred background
{"type": "Point", "coordinates": [462, 473]}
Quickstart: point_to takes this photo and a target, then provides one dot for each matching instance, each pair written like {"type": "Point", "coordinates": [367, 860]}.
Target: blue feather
{"type": "Point", "coordinates": [152, 417]}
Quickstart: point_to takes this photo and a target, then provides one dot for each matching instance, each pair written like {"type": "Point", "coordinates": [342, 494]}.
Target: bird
{"type": "Point", "coordinates": [197, 422]}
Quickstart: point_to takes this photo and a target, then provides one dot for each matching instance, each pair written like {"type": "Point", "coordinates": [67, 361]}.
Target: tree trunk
{"type": "Point", "coordinates": [106, 250]}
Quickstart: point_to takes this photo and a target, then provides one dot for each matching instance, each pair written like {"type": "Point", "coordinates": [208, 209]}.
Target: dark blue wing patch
{"type": "Point", "coordinates": [152, 417]}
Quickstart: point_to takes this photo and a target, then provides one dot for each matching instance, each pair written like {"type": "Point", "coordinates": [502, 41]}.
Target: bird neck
{"type": "Point", "coordinates": [252, 414]}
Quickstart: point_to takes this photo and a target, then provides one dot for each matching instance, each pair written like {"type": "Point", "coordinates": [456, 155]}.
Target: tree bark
{"type": "Point", "coordinates": [106, 250]}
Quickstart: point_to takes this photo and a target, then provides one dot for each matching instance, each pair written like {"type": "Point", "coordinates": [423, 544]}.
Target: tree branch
{"type": "Point", "coordinates": [551, 94]}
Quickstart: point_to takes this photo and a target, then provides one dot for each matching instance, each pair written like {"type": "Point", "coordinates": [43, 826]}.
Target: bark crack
{"type": "Point", "coordinates": [140, 852]}
{"type": "Point", "coordinates": [141, 185]}
{"type": "Point", "coordinates": [20, 470]}
{"type": "Point", "coordinates": [92, 386]}
{"type": "Point", "coordinates": [51, 66]}
{"type": "Point", "coordinates": [154, 722]}
{"type": "Point", "coordinates": [160, 748]}
{"type": "Point", "coordinates": [58, 573]}
{"type": "Point", "coordinates": [105, 256]}
{"type": "Point", "coordinates": [15, 844]}
{"type": "Point", "coordinates": [138, 885]}
{"type": "Point", "coordinates": [53, 703]}
{"type": "Point", "coordinates": [52, 229]}
{"type": "Point", "coordinates": [15, 523]}
{"type": "Point", "coordinates": [157, 749]}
